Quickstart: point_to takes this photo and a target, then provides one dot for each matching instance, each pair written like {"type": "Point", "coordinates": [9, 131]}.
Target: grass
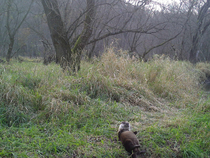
{"type": "Point", "coordinates": [46, 113]}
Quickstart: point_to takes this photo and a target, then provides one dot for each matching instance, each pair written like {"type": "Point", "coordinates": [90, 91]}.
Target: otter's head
{"type": "Point", "coordinates": [125, 126]}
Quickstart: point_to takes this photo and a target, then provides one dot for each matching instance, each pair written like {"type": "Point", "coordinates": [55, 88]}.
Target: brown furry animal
{"type": "Point", "coordinates": [129, 139]}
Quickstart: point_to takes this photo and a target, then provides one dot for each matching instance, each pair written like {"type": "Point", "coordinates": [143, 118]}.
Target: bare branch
{"type": "Point", "coordinates": [161, 44]}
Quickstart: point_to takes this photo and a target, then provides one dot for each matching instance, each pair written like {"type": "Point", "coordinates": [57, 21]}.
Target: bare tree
{"type": "Point", "coordinates": [68, 54]}
{"type": "Point", "coordinates": [131, 25]}
{"type": "Point", "coordinates": [13, 27]}
{"type": "Point", "coordinates": [203, 22]}
{"type": "Point", "coordinates": [58, 32]}
{"type": "Point", "coordinates": [186, 24]}
{"type": "Point", "coordinates": [3, 31]}
{"type": "Point", "coordinates": [84, 37]}
{"type": "Point", "coordinates": [90, 26]}
{"type": "Point", "coordinates": [137, 28]}
{"type": "Point", "coordinates": [114, 19]}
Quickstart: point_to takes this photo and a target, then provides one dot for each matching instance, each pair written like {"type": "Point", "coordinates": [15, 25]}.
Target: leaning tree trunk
{"type": "Point", "coordinates": [85, 35]}
{"type": "Point", "coordinates": [58, 33]}
{"type": "Point", "coordinates": [201, 29]}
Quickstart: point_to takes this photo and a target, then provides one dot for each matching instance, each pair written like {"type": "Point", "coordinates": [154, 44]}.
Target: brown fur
{"type": "Point", "coordinates": [129, 140]}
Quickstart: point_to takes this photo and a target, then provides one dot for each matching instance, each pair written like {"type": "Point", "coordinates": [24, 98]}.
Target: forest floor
{"type": "Point", "coordinates": [44, 112]}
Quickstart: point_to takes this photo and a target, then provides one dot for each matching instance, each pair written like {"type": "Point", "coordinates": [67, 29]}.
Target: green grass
{"type": "Point", "coordinates": [187, 136]}
{"type": "Point", "coordinates": [44, 112]}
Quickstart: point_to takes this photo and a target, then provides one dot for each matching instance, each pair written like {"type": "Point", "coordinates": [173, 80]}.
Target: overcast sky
{"type": "Point", "coordinates": [166, 1]}
{"type": "Point", "coordinates": [158, 1]}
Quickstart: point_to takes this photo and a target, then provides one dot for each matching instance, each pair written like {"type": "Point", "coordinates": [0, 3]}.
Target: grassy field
{"type": "Point", "coordinates": [44, 112]}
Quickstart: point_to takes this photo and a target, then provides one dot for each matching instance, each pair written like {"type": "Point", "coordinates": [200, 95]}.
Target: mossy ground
{"type": "Point", "coordinates": [44, 112]}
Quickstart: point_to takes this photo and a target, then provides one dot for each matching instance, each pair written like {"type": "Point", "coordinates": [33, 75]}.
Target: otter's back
{"type": "Point", "coordinates": [129, 140]}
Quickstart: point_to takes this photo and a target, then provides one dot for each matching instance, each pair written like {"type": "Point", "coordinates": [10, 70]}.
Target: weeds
{"type": "Point", "coordinates": [44, 112]}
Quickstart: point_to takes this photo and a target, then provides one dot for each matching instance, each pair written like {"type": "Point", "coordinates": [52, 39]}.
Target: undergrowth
{"type": "Point", "coordinates": [44, 112]}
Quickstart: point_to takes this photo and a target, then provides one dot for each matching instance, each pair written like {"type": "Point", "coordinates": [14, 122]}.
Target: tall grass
{"type": "Point", "coordinates": [160, 77]}
{"type": "Point", "coordinates": [44, 112]}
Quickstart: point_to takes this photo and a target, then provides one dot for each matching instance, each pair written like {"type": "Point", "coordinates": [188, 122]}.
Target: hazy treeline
{"type": "Point", "coordinates": [179, 30]}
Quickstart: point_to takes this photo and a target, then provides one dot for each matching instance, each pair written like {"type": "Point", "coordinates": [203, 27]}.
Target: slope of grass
{"type": "Point", "coordinates": [46, 113]}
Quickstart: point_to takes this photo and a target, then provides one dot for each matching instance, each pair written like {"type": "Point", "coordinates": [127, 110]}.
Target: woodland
{"type": "Point", "coordinates": [75, 29]}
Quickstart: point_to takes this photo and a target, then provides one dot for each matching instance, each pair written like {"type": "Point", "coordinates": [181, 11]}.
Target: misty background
{"type": "Point", "coordinates": [143, 28]}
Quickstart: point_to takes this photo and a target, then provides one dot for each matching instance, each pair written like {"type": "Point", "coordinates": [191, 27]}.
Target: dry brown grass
{"type": "Point", "coordinates": [160, 77]}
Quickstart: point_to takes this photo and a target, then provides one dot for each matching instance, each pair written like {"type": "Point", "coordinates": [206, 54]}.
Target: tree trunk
{"type": "Point", "coordinates": [85, 35]}
{"type": "Point", "coordinates": [58, 33]}
{"type": "Point", "coordinates": [201, 29]}
{"type": "Point", "coordinates": [189, 14]}
{"type": "Point", "coordinates": [194, 48]}
{"type": "Point", "coordinates": [90, 53]}
{"type": "Point", "coordinates": [12, 32]}
{"type": "Point", "coordinates": [66, 56]}
{"type": "Point", "coordinates": [9, 52]}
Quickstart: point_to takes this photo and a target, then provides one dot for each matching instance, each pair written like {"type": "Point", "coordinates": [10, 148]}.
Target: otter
{"type": "Point", "coordinates": [129, 139]}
